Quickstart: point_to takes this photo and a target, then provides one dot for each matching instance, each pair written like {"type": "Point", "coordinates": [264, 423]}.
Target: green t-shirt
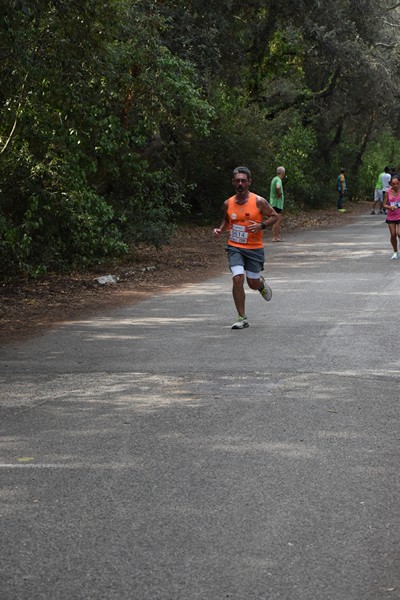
{"type": "Point", "coordinates": [378, 185]}
{"type": "Point", "coordinates": [275, 200]}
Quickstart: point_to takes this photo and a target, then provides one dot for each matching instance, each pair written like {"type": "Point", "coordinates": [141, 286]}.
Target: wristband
{"type": "Point", "coordinates": [263, 226]}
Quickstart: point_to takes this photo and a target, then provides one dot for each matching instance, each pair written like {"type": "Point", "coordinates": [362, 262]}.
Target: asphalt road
{"type": "Point", "coordinates": [155, 454]}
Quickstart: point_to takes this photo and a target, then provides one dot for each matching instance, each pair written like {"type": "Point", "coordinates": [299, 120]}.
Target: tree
{"type": "Point", "coordinates": [87, 86]}
{"type": "Point", "coordinates": [119, 118]}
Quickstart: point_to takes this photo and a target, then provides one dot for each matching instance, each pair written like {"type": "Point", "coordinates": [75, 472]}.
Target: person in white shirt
{"type": "Point", "coordinates": [386, 177]}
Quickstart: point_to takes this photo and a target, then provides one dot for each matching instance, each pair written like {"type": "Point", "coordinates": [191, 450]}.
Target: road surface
{"type": "Point", "coordinates": [152, 453]}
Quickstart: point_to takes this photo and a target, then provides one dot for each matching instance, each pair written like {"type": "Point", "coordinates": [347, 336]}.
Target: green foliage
{"type": "Point", "coordinates": [87, 88]}
{"type": "Point", "coordinates": [141, 208]}
{"type": "Point", "coordinates": [381, 152]}
{"type": "Point", "coordinates": [295, 148]}
{"type": "Point", "coordinates": [121, 117]}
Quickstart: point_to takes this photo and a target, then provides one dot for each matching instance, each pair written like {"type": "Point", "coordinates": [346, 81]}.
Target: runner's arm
{"type": "Point", "coordinates": [225, 222]}
{"type": "Point", "coordinates": [386, 204]}
{"type": "Point", "coordinates": [269, 215]}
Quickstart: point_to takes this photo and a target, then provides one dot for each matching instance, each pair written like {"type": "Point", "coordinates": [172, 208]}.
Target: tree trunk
{"type": "Point", "coordinates": [363, 146]}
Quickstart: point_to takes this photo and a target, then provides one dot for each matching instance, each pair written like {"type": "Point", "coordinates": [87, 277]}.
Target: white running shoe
{"type": "Point", "coordinates": [266, 291]}
{"type": "Point", "coordinates": [241, 323]}
{"type": "Point", "coordinates": [394, 256]}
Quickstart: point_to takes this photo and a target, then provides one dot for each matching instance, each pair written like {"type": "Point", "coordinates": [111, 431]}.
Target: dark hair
{"type": "Point", "coordinates": [394, 176]}
{"type": "Point", "coordinates": [244, 170]}
{"type": "Point", "coordinates": [386, 169]}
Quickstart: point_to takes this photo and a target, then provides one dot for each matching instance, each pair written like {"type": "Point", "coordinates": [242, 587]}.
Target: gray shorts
{"type": "Point", "coordinates": [250, 260]}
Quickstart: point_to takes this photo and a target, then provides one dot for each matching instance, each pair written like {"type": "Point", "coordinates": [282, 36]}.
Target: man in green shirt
{"type": "Point", "coordinates": [276, 200]}
{"type": "Point", "coordinates": [379, 191]}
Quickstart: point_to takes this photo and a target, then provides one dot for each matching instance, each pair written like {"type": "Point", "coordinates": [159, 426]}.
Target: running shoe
{"type": "Point", "coordinates": [341, 209]}
{"type": "Point", "coordinates": [372, 212]}
{"type": "Point", "coordinates": [241, 323]}
{"type": "Point", "coordinates": [394, 256]}
{"type": "Point", "coordinates": [265, 291]}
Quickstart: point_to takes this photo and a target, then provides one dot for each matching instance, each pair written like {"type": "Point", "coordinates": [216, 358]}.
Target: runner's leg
{"type": "Point", "coordinates": [239, 296]}
{"type": "Point", "coordinates": [393, 235]}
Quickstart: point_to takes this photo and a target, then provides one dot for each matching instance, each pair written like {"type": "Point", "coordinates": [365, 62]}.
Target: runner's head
{"type": "Point", "coordinates": [243, 170]}
{"type": "Point", "coordinates": [241, 180]}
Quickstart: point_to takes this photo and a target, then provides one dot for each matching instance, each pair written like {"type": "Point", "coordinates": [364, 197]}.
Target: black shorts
{"type": "Point", "coordinates": [395, 222]}
{"type": "Point", "coordinates": [278, 210]}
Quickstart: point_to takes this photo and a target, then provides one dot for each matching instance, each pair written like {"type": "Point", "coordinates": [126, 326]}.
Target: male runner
{"type": "Point", "coordinates": [245, 216]}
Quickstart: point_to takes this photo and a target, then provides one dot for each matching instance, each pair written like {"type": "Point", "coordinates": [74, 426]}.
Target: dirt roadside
{"type": "Point", "coordinates": [31, 307]}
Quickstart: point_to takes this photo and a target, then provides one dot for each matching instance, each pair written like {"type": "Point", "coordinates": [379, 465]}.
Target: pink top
{"type": "Point", "coordinates": [393, 215]}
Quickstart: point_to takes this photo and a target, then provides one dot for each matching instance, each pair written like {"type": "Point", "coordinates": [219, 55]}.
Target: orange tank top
{"type": "Point", "coordinates": [239, 216]}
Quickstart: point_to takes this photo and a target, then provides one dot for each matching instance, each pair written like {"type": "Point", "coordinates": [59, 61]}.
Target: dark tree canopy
{"type": "Point", "coordinates": [120, 118]}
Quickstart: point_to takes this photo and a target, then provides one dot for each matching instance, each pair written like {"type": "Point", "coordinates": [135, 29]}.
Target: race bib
{"type": "Point", "coordinates": [239, 234]}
